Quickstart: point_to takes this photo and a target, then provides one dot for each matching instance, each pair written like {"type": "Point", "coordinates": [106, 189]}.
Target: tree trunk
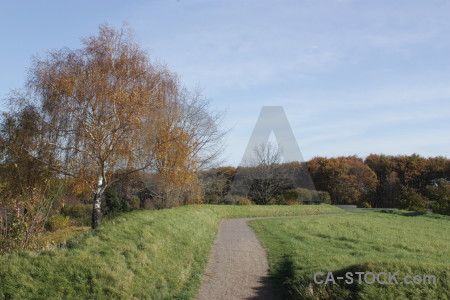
{"type": "Point", "coordinates": [96, 209]}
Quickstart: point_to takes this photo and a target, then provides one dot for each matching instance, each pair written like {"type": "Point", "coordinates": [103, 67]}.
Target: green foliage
{"type": "Point", "coordinates": [440, 197]}
{"type": "Point", "coordinates": [410, 199]}
{"type": "Point", "coordinates": [58, 222]}
{"type": "Point", "coordinates": [77, 211]}
{"type": "Point", "coordinates": [305, 195]}
{"type": "Point", "coordinates": [80, 214]}
{"type": "Point", "coordinates": [404, 242]}
{"type": "Point", "coordinates": [144, 255]}
{"type": "Point", "coordinates": [301, 195]}
{"type": "Point", "coordinates": [324, 197]}
{"type": "Point", "coordinates": [114, 203]}
{"type": "Point", "coordinates": [290, 196]}
{"type": "Point", "coordinates": [133, 202]}
{"type": "Point", "coordinates": [117, 201]}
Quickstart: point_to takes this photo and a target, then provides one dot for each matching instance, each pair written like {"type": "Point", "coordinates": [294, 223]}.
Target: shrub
{"type": "Point", "coordinates": [440, 197]}
{"type": "Point", "coordinates": [58, 222]}
{"type": "Point", "coordinates": [211, 198]}
{"type": "Point", "coordinates": [80, 214]}
{"type": "Point", "coordinates": [290, 195]}
{"type": "Point", "coordinates": [292, 202]}
{"type": "Point", "coordinates": [244, 201]}
{"type": "Point", "coordinates": [77, 211]}
{"type": "Point", "coordinates": [324, 197]}
{"type": "Point", "coordinates": [233, 199]}
{"type": "Point", "coordinates": [299, 195]}
{"type": "Point", "coordinates": [23, 220]}
{"type": "Point", "coordinates": [410, 199]}
{"type": "Point", "coordinates": [133, 202]}
{"type": "Point", "coordinates": [13, 231]}
{"type": "Point", "coordinates": [304, 195]}
{"type": "Point", "coordinates": [366, 204]}
{"type": "Point", "coordinates": [113, 202]}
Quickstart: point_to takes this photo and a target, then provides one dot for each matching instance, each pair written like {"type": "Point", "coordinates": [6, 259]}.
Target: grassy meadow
{"type": "Point", "coordinates": [140, 255]}
{"type": "Point", "coordinates": [390, 241]}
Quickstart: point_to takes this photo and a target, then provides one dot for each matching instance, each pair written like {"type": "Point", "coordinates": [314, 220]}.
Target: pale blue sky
{"type": "Point", "coordinates": [354, 77]}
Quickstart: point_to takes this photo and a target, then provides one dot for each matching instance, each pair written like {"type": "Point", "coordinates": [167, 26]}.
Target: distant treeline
{"type": "Point", "coordinates": [406, 181]}
{"type": "Point", "coordinates": [379, 180]}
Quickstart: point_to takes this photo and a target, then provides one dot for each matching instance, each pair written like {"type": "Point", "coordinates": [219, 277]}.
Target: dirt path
{"type": "Point", "coordinates": [238, 267]}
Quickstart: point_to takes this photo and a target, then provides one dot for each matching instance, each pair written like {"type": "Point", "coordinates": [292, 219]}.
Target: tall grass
{"type": "Point", "coordinates": [144, 255]}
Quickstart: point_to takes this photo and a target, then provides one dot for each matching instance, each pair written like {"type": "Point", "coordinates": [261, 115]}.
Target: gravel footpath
{"type": "Point", "coordinates": [238, 267]}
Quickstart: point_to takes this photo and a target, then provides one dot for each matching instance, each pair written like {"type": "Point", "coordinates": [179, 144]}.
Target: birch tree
{"type": "Point", "coordinates": [100, 105]}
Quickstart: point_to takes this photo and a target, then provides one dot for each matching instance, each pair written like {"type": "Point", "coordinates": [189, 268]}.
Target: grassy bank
{"type": "Point", "coordinates": [404, 242]}
{"type": "Point", "coordinates": [144, 255]}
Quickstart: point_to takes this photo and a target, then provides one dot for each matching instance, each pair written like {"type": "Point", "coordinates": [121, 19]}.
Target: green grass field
{"type": "Point", "coordinates": [404, 242]}
{"type": "Point", "coordinates": [145, 255]}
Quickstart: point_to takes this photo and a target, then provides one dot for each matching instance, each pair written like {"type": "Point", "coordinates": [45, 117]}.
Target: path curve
{"type": "Point", "coordinates": [238, 267]}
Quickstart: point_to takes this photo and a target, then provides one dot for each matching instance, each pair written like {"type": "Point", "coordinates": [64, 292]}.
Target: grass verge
{"type": "Point", "coordinates": [139, 255]}
{"type": "Point", "coordinates": [389, 241]}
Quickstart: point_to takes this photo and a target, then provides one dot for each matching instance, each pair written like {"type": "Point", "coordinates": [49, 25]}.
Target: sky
{"type": "Point", "coordinates": [354, 77]}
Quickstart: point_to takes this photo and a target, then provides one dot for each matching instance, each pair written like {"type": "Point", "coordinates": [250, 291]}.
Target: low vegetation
{"type": "Point", "coordinates": [405, 242]}
{"type": "Point", "coordinates": [157, 254]}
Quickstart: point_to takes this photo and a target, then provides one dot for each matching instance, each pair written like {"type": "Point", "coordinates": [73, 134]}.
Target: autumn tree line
{"type": "Point", "coordinates": [405, 181]}
{"type": "Point", "coordinates": [378, 181]}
